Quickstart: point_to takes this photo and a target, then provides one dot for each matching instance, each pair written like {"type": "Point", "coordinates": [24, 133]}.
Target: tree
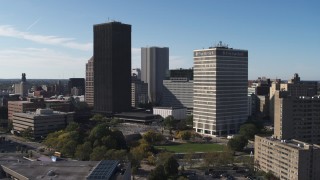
{"type": "Point", "coordinates": [270, 176]}
{"type": "Point", "coordinates": [248, 130]}
{"type": "Point", "coordinates": [169, 122]}
{"type": "Point", "coordinates": [98, 153]}
{"type": "Point", "coordinates": [72, 127]}
{"type": "Point", "coordinates": [83, 151]}
{"type": "Point", "coordinates": [185, 135]}
{"type": "Point", "coordinates": [171, 166]}
{"type": "Point", "coordinates": [237, 143]}
{"type": "Point", "coordinates": [27, 133]}
{"type": "Point", "coordinates": [152, 137]}
{"type": "Point", "coordinates": [158, 173]}
{"type": "Point", "coordinates": [98, 117]}
{"type": "Point", "coordinates": [189, 120]}
{"type": "Point", "coordinates": [114, 154]}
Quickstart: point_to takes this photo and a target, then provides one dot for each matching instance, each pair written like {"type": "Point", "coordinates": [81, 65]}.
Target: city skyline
{"type": "Point", "coordinates": [54, 40]}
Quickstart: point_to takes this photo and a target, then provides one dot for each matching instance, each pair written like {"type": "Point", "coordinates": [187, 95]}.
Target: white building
{"type": "Point", "coordinates": [177, 113]}
{"type": "Point", "coordinates": [220, 90]}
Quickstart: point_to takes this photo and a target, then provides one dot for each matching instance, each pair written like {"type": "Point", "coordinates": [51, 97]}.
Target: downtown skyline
{"type": "Point", "coordinates": [54, 39]}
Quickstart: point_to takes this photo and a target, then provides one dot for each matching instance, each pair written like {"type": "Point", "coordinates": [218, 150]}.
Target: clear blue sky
{"type": "Point", "coordinates": [53, 39]}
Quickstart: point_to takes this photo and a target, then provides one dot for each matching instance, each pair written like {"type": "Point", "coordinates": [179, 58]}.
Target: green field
{"type": "Point", "coordinates": [192, 147]}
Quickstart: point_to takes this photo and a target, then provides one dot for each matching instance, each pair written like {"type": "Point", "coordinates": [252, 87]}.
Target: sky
{"type": "Point", "coordinates": [54, 39]}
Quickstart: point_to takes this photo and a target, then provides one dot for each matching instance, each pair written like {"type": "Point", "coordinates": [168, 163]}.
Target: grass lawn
{"type": "Point", "coordinates": [192, 147]}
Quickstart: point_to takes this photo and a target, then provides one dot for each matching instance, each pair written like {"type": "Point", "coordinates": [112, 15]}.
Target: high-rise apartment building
{"type": "Point", "coordinates": [112, 67]}
{"type": "Point", "coordinates": [294, 87]}
{"type": "Point", "coordinates": [220, 90]}
{"type": "Point", "coordinates": [89, 82]}
{"type": "Point", "coordinates": [297, 117]}
{"type": "Point", "coordinates": [154, 69]}
{"type": "Point", "coordinates": [287, 159]}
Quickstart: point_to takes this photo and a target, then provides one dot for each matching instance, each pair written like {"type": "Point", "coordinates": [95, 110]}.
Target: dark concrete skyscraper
{"type": "Point", "coordinates": [154, 69]}
{"type": "Point", "coordinates": [112, 67]}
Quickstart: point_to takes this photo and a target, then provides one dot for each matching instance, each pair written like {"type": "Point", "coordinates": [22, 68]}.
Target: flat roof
{"type": "Point", "coordinates": [60, 170]}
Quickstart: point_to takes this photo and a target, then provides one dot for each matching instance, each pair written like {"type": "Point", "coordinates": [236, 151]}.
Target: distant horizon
{"type": "Point", "coordinates": [54, 39]}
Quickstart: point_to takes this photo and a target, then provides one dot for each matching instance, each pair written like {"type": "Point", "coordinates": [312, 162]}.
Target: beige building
{"type": "Point", "coordinates": [34, 103]}
{"type": "Point", "coordinates": [297, 117]}
{"type": "Point", "coordinates": [295, 88]}
{"type": "Point", "coordinates": [42, 122]}
{"type": "Point", "coordinates": [288, 160]}
{"type": "Point", "coordinates": [89, 92]}
{"type": "Point", "coordinates": [220, 90]}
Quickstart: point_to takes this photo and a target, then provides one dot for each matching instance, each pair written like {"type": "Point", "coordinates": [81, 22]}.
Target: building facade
{"type": "Point", "coordinates": [178, 92]}
{"type": "Point", "coordinates": [89, 82]}
{"type": "Point", "coordinates": [32, 104]}
{"type": "Point", "coordinates": [154, 69]}
{"type": "Point", "coordinates": [139, 92]}
{"type": "Point", "coordinates": [22, 87]}
{"type": "Point", "coordinates": [220, 90]}
{"type": "Point", "coordinates": [42, 121]}
{"type": "Point", "coordinates": [288, 160]}
{"type": "Point", "coordinates": [112, 67]}
{"type": "Point", "coordinates": [297, 117]}
{"type": "Point", "coordinates": [76, 83]}
{"type": "Point", "coordinates": [295, 87]}
{"type": "Point", "coordinates": [176, 113]}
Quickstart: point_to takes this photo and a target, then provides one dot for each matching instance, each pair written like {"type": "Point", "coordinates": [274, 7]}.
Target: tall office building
{"type": "Point", "coordinates": [220, 90]}
{"type": "Point", "coordinates": [89, 82]}
{"type": "Point", "coordinates": [154, 69]}
{"type": "Point", "coordinates": [112, 67]}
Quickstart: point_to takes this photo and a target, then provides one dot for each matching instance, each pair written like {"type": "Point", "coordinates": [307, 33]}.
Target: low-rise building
{"type": "Point", "coordinates": [42, 122]}
{"type": "Point", "coordinates": [177, 113]}
{"type": "Point", "coordinates": [287, 159]}
{"type": "Point", "coordinates": [61, 170]}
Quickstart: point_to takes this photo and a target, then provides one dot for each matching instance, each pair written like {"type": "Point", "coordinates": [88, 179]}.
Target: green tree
{"type": "Point", "coordinates": [116, 154]}
{"type": "Point", "coordinates": [168, 122]}
{"type": "Point", "coordinates": [28, 133]}
{"type": "Point", "coordinates": [171, 166]}
{"type": "Point", "coordinates": [185, 135]}
{"type": "Point", "coordinates": [189, 120]}
{"type": "Point", "coordinates": [72, 127]}
{"type": "Point", "coordinates": [248, 130]}
{"type": "Point", "coordinates": [98, 118]}
{"type": "Point", "coordinates": [158, 173]}
{"type": "Point", "coordinates": [237, 143]}
{"type": "Point", "coordinates": [270, 176]}
{"type": "Point", "coordinates": [69, 148]}
{"type": "Point", "coordinates": [98, 153]}
{"type": "Point", "coordinates": [152, 137]}
{"type": "Point", "coordinates": [83, 151]}
{"type": "Point", "coordinates": [169, 162]}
